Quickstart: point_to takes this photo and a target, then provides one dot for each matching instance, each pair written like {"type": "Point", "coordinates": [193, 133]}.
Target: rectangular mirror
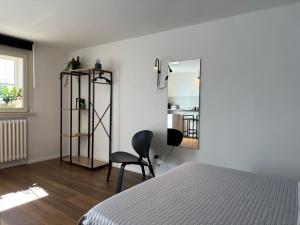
{"type": "Point", "coordinates": [184, 104]}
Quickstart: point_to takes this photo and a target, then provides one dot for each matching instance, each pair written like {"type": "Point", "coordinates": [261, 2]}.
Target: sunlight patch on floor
{"type": "Point", "coordinates": [14, 199]}
{"type": "Point", "coordinates": [2, 222]}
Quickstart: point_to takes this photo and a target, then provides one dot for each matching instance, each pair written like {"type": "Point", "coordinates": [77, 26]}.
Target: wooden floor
{"type": "Point", "coordinates": [190, 143]}
{"type": "Point", "coordinates": [72, 191]}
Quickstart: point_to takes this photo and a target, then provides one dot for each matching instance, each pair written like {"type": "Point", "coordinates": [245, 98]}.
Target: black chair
{"type": "Point", "coordinates": [141, 143]}
{"type": "Point", "coordinates": [190, 126]}
{"type": "Point", "coordinates": [174, 137]}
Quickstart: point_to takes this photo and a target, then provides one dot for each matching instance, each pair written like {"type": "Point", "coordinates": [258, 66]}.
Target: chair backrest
{"type": "Point", "coordinates": [141, 142]}
{"type": "Point", "coordinates": [174, 137]}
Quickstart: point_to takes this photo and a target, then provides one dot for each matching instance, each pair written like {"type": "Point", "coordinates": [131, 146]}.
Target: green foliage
{"type": "Point", "coordinates": [9, 95]}
{"type": "Point", "coordinates": [73, 64]}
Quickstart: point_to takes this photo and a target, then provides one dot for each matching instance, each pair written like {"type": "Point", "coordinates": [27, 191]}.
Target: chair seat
{"type": "Point", "coordinates": [124, 157]}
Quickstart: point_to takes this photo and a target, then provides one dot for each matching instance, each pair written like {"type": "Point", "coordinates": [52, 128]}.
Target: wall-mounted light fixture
{"type": "Point", "coordinates": [157, 67]}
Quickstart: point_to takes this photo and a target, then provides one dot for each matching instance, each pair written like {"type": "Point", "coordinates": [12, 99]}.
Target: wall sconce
{"type": "Point", "coordinates": [157, 67]}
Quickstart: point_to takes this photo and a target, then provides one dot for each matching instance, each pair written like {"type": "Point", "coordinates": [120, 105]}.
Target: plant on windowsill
{"type": "Point", "coordinates": [12, 97]}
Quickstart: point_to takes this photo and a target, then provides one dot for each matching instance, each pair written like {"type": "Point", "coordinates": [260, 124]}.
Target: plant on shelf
{"type": "Point", "coordinates": [72, 65]}
{"type": "Point", "coordinates": [10, 95]}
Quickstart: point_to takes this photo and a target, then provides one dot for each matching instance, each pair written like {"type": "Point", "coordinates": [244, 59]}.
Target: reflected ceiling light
{"type": "Point", "coordinates": [174, 63]}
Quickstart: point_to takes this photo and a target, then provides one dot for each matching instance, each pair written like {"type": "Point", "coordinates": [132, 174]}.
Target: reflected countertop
{"type": "Point", "coordinates": [180, 111]}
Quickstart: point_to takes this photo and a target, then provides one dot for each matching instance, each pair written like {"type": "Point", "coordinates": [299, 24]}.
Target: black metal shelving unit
{"type": "Point", "coordinates": [95, 77]}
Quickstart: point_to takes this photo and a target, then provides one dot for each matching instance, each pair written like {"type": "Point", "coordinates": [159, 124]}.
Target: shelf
{"type": "Point", "coordinates": [75, 109]}
{"type": "Point", "coordinates": [74, 135]}
{"type": "Point", "coordinates": [86, 71]}
{"type": "Point", "coordinates": [84, 161]}
{"type": "Point", "coordinates": [89, 77]}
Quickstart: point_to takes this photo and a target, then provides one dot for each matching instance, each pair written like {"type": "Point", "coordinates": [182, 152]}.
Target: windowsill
{"type": "Point", "coordinates": [16, 114]}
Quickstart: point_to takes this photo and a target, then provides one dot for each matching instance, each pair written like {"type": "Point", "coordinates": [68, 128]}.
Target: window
{"type": "Point", "coordinates": [13, 81]}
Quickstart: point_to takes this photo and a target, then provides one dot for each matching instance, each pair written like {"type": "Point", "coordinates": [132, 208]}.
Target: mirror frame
{"type": "Point", "coordinates": [200, 89]}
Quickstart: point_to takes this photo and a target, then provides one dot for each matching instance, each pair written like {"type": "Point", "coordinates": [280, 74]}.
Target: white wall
{"type": "Point", "coordinates": [43, 125]}
{"type": "Point", "coordinates": [249, 89]}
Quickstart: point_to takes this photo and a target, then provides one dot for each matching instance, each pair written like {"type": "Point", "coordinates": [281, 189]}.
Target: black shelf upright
{"type": "Point", "coordinates": [94, 76]}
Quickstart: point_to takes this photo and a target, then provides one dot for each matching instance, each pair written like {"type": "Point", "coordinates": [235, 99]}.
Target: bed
{"type": "Point", "coordinates": [194, 193]}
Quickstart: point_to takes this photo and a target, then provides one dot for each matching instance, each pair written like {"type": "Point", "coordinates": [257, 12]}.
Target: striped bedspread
{"type": "Point", "coordinates": [198, 194]}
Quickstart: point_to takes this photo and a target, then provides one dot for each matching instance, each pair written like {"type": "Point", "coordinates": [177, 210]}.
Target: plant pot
{"type": "Point", "coordinates": [4, 105]}
{"type": "Point", "coordinates": [18, 103]}
{"type": "Point", "coordinates": [15, 104]}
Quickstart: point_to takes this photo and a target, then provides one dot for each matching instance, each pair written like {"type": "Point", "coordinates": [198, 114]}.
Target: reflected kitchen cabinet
{"type": "Point", "coordinates": [175, 121]}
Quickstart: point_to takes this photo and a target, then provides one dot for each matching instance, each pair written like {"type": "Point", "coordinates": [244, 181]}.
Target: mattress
{"type": "Point", "coordinates": [194, 193]}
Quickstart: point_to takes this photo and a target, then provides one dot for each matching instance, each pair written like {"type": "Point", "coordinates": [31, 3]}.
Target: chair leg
{"type": "Point", "coordinates": [143, 171]}
{"type": "Point", "coordinates": [150, 167]}
{"type": "Point", "coordinates": [120, 179]}
{"type": "Point", "coordinates": [109, 171]}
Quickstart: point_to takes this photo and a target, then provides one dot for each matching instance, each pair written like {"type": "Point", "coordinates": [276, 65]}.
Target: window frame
{"type": "Point", "coordinates": [26, 55]}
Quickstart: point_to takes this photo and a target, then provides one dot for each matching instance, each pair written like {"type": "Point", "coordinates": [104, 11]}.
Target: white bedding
{"type": "Point", "coordinates": [195, 193]}
{"type": "Point", "coordinates": [298, 221]}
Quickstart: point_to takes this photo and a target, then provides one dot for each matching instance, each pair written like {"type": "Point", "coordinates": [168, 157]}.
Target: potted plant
{"type": "Point", "coordinates": [73, 64]}
{"type": "Point", "coordinates": [12, 97]}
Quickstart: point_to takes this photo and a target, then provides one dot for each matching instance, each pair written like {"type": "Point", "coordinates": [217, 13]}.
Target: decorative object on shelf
{"type": "Point", "coordinates": [77, 103]}
{"type": "Point", "coordinates": [72, 65]}
{"type": "Point", "coordinates": [157, 67]}
{"type": "Point", "coordinates": [174, 107]}
{"type": "Point", "coordinates": [80, 103]}
{"type": "Point", "coordinates": [11, 95]}
{"type": "Point", "coordinates": [98, 65]}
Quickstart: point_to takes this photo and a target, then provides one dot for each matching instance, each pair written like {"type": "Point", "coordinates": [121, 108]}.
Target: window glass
{"type": "Point", "coordinates": [11, 82]}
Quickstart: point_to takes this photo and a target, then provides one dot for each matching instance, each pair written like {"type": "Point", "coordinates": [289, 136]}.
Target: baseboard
{"type": "Point", "coordinates": [27, 161]}
{"type": "Point", "coordinates": [13, 163]}
{"type": "Point", "coordinates": [42, 159]}
{"type": "Point", "coordinates": [132, 168]}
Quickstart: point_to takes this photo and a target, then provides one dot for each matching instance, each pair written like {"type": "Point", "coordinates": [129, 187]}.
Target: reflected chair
{"type": "Point", "coordinates": [174, 138]}
{"type": "Point", "coordinates": [190, 126]}
{"type": "Point", "coordinates": [141, 143]}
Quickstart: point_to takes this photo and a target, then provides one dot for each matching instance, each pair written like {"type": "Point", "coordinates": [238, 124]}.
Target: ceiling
{"type": "Point", "coordinates": [80, 23]}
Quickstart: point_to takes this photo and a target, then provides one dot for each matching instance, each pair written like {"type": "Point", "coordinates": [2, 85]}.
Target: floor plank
{"type": "Point", "coordinates": [72, 191]}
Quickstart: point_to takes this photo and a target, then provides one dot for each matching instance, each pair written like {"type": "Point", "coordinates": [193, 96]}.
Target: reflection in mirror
{"type": "Point", "coordinates": [183, 104]}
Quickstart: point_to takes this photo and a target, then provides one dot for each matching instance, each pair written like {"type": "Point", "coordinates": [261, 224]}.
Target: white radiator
{"type": "Point", "coordinates": [13, 140]}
